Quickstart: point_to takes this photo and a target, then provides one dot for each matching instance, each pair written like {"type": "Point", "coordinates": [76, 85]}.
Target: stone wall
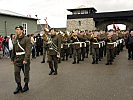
{"type": "Point", "coordinates": [82, 24]}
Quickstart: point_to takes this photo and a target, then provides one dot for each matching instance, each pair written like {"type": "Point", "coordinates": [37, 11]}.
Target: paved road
{"type": "Point", "coordinates": [82, 81]}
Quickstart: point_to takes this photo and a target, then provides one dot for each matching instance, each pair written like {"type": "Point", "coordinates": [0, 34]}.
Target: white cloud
{"type": "Point", "coordinates": [56, 10]}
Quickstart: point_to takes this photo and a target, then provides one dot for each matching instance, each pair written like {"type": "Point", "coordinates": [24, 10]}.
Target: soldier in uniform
{"type": "Point", "coordinates": [110, 49]}
{"type": "Point", "coordinates": [45, 47]}
{"type": "Point", "coordinates": [54, 48]}
{"type": "Point", "coordinates": [65, 49]}
{"type": "Point", "coordinates": [21, 59]}
{"type": "Point", "coordinates": [115, 37]}
{"type": "Point", "coordinates": [88, 35]}
{"type": "Point", "coordinates": [95, 48]}
{"type": "Point", "coordinates": [102, 50]}
{"type": "Point", "coordinates": [82, 38]}
{"type": "Point", "coordinates": [71, 46]}
{"type": "Point", "coordinates": [76, 48]}
{"type": "Point", "coordinates": [121, 36]}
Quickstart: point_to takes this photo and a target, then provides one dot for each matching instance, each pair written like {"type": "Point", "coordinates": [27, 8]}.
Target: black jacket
{"type": "Point", "coordinates": [129, 42]}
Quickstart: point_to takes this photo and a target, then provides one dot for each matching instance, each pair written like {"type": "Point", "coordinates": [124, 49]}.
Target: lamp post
{"type": "Point", "coordinates": [5, 28]}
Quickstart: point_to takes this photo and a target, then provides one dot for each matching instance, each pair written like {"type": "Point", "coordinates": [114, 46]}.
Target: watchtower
{"type": "Point", "coordinates": [78, 21]}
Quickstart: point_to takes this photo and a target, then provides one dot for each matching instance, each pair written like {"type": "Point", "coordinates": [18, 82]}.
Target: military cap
{"type": "Point", "coordinates": [19, 27]}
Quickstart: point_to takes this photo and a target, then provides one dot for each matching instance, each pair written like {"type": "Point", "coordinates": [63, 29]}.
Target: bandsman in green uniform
{"type": "Point", "coordinates": [54, 49]}
{"type": "Point", "coordinates": [45, 46]}
{"type": "Point", "coordinates": [65, 49]}
{"type": "Point", "coordinates": [82, 38]}
{"type": "Point", "coordinates": [95, 48]}
{"type": "Point", "coordinates": [110, 49]}
{"type": "Point", "coordinates": [76, 48]}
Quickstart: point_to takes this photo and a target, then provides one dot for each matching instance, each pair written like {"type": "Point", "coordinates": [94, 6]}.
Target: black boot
{"type": "Point", "coordinates": [110, 63]}
{"type": "Point", "coordinates": [129, 58]}
{"type": "Point", "coordinates": [74, 62]}
{"type": "Point", "coordinates": [107, 63]}
{"type": "Point", "coordinates": [18, 89]}
{"type": "Point", "coordinates": [96, 61]}
{"type": "Point", "coordinates": [25, 88]}
{"type": "Point", "coordinates": [82, 59]}
{"type": "Point", "coordinates": [55, 73]}
{"type": "Point", "coordinates": [66, 58]}
{"type": "Point", "coordinates": [43, 61]}
{"type": "Point", "coordinates": [93, 62]}
{"type": "Point", "coordinates": [63, 59]}
{"type": "Point", "coordinates": [77, 61]}
{"type": "Point", "coordinates": [51, 72]}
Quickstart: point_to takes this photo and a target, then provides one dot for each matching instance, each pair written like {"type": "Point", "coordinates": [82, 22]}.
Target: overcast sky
{"type": "Point", "coordinates": [55, 10]}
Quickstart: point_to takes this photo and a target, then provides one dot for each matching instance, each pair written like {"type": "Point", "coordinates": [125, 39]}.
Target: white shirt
{"type": "Point", "coordinates": [10, 44]}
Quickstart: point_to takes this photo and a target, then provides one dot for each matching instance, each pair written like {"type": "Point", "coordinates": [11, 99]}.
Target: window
{"type": "Point", "coordinates": [25, 28]}
{"type": "Point", "coordinates": [76, 12]}
{"type": "Point", "coordinates": [84, 11]}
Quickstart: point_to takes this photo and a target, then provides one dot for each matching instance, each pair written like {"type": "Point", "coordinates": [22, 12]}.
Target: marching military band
{"type": "Point", "coordinates": [79, 44]}
{"type": "Point", "coordinates": [61, 46]}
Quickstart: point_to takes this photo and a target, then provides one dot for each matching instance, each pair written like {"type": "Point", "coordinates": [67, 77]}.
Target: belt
{"type": "Point", "coordinates": [20, 53]}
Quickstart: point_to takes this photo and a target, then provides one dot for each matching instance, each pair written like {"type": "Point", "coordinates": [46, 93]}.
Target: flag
{"type": "Point", "coordinates": [114, 27]}
{"type": "Point", "coordinates": [117, 27]}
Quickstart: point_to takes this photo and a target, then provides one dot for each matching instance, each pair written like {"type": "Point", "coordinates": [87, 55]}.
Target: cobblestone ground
{"type": "Point", "coordinates": [82, 81]}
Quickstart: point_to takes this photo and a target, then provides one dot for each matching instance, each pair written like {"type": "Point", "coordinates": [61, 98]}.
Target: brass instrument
{"type": "Point", "coordinates": [52, 46]}
{"type": "Point", "coordinates": [110, 38]}
{"type": "Point", "coordinates": [95, 43]}
{"type": "Point", "coordinates": [110, 44]}
{"type": "Point", "coordinates": [65, 37]}
{"type": "Point", "coordinates": [94, 37]}
{"type": "Point", "coordinates": [65, 40]}
{"type": "Point", "coordinates": [75, 37]}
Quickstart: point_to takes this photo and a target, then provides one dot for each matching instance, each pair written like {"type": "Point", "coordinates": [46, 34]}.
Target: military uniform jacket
{"type": "Point", "coordinates": [45, 40]}
{"type": "Point", "coordinates": [26, 45]}
{"type": "Point", "coordinates": [57, 41]}
{"type": "Point", "coordinates": [82, 38]}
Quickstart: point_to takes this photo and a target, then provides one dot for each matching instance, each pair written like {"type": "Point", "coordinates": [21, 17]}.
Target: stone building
{"type": "Point", "coordinates": [84, 18]}
{"type": "Point", "coordinates": [76, 21]}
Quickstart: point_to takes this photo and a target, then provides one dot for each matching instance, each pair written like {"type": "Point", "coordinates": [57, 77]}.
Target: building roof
{"type": "Point", "coordinates": [115, 14]}
{"type": "Point", "coordinates": [82, 7]}
{"type": "Point", "coordinates": [14, 14]}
